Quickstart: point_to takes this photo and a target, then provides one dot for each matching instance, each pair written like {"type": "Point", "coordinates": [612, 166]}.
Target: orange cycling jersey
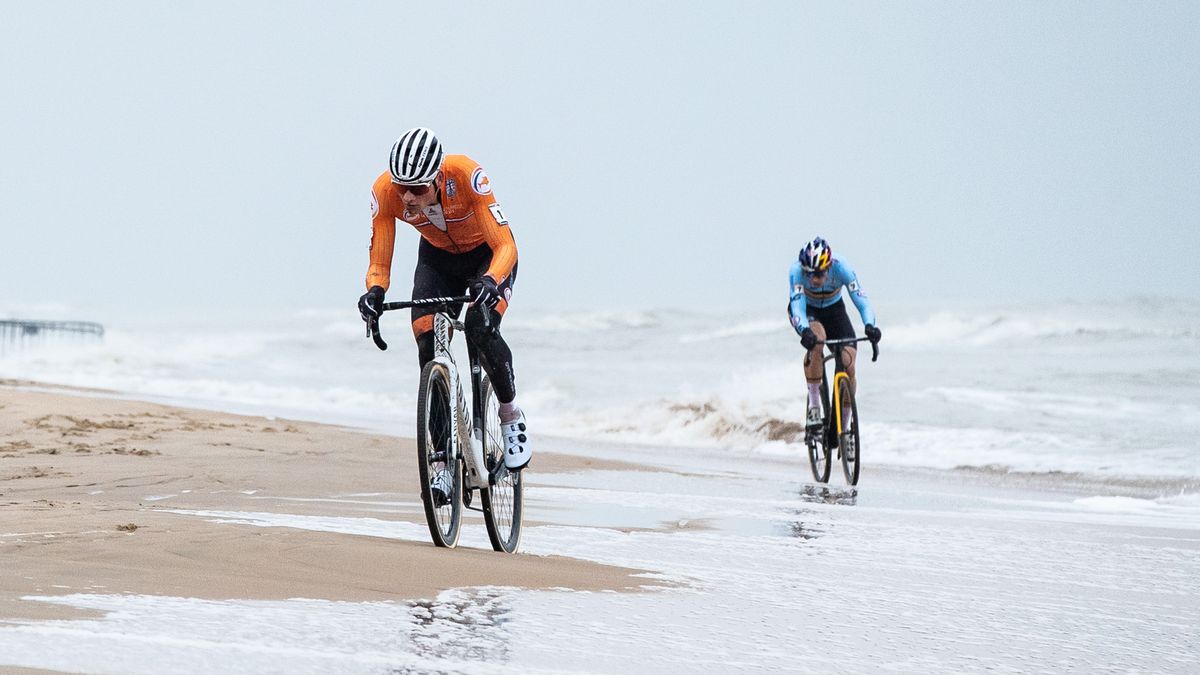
{"type": "Point", "coordinates": [466, 217]}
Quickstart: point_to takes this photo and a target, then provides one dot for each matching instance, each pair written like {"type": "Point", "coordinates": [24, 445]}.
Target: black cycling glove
{"type": "Point", "coordinates": [808, 338]}
{"type": "Point", "coordinates": [370, 305]}
{"type": "Point", "coordinates": [485, 293]}
{"type": "Point", "coordinates": [873, 333]}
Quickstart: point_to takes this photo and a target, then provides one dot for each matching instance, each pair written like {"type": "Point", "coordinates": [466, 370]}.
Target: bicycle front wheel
{"type": "Point", "coordinates": [848, 439]}
{"type": "Point", "coordinates": [502, 501]}
{"type": "Point", "coordinates": [436, 459]}
{"type": "Point", "coordinates": [818, 447]}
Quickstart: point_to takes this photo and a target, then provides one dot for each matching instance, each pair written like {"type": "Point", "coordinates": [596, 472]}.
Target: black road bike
{"type": "Point", "coordinates": [463, 449]}
{"type": "Point", "coordinates": [838, 429]}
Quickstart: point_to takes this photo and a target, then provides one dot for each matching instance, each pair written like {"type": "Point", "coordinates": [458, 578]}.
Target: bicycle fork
{"type": "Point", "coordinates": [837, 397]}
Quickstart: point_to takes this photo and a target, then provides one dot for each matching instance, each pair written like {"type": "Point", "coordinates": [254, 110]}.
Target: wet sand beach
{"type": "Point", "coordinates": [89, 488]}
{"type": "Point", "coordinates": [142, 538]}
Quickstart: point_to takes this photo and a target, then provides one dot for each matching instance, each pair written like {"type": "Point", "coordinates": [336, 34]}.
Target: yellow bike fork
{"type": "Point", "coordinates": [837, 398]}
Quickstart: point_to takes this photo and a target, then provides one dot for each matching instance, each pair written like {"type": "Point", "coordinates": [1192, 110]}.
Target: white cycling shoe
{"type": "Point", "coordinates": [516, 443]}
{"type": "Point", "coordinates": [440, 487]}
{"type": "Point", "coordinates": [815, 419]}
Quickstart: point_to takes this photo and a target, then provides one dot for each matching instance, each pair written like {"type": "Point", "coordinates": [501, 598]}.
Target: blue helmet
{"type": "Point", "coordinates": [816, 256]}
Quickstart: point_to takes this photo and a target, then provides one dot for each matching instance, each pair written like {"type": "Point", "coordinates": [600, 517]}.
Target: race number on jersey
{"type": "Point", "coordinates": [498, 214]}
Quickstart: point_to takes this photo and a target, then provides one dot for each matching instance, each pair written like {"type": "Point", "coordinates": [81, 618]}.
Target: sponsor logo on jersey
{"type": "Point", "coordinates": [798, 288]}
{"type": "Point", "coordinates": [507, 294]}
{"type": "Point", "coordinates": [437, 216]}
{"type": "Point", "coordinates": [374, 204]}
{"type": "Point", "coordinates": [451, 187]}
{"type": "Point", "coordinates": [853, 286]}
{"type": "Point", "coordinates": [480, 182]}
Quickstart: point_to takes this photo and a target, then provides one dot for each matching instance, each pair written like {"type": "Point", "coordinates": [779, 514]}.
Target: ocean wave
{"type": "Point", "coordinates": [740, 329]}
{"type": "Point", "coordinates": [584, 322]}
{"type": "Point", "coordinates": [780, 432]}
{"type": "Point", "coordinates": [1060, 405]}
{"type": "Point", "coordinates": [942, 328]}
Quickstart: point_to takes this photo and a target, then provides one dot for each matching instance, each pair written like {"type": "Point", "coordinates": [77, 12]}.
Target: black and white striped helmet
{"type": "Point", "coordinates": [416, 157]}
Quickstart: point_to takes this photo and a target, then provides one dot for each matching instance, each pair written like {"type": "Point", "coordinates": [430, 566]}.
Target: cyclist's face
{"type": "Point", "coordinates": [818, 276]}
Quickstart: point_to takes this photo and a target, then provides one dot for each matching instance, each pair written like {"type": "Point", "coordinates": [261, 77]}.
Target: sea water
{"type": "Point", "coordinates": [1107, 388]}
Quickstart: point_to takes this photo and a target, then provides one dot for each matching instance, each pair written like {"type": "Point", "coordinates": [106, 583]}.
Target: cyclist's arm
{"type": "Point", "coordinates": [857, 295]}
{"type": "Point", "coordinates": [798, 305]}
{"type": "Point", "coordinates": [383, 241]}
{"type": "Point", "coordinates": [498, 236]}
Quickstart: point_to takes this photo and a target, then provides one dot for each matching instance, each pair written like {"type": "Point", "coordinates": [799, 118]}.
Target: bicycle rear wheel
{"type": "Point", "coordinates": [435, 454]}
{"type": "Point", "coordinates": [503, 501]}
{"type": "Point", "coordinates": [818, 448]}
{"type": "Point", "coordinates": [848, 440]}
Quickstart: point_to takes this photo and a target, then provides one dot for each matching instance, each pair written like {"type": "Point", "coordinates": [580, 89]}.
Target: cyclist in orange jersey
{"type": "Point", "coordinates": [466, 245]}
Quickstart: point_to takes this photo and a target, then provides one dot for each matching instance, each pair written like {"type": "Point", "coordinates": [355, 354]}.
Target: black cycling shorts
{"type": "Point", "coordinates": [835, 320]}
{"type": "Point", "coordinates": [444, 274]}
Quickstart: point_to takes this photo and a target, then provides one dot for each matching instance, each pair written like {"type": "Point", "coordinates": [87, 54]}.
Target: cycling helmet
{"type": "Point", "coordinates": [816, 256]}
{"type": "Point", "coordinates": [416, 157]}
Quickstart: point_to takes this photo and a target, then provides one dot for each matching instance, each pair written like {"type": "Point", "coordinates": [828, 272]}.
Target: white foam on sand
{"type": "Point", "coordinates": [1183, 507]}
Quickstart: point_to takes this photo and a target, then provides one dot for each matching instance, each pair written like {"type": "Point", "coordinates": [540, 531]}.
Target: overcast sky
{"type": "Point", "coordinates": [219, 154]}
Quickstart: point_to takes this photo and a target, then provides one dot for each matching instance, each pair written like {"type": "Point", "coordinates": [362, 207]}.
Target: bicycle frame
{"type": "Point", "coordinates": [839, 371]}
{"type": "Point", "coordinates": [466, 427]}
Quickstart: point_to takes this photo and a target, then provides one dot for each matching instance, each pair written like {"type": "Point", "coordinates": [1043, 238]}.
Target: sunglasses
{"type": "Point", "coordinates": [416, 190]}
{"type": "Point", "coordinates": [816, 273]}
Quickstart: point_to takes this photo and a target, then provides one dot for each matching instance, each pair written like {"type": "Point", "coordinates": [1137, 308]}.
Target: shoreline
{"type": "Point", "coordinates": [634, 453]}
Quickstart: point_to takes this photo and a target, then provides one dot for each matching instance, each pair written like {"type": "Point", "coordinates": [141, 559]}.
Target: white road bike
{"type": "Point", "coordinates": [461, 448]}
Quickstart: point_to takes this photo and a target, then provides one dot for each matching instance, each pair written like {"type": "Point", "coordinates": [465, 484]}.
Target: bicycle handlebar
{"type": "Point", "coordinates": [373, 324]}
{"type": "Point", "coordinates": [847, 341]}
{"type": "Point", "coordinates": [423, 302]}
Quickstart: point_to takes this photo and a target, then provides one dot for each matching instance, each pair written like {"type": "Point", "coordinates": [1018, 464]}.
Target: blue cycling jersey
{"type": "Point", "coordinates": [805, 293]}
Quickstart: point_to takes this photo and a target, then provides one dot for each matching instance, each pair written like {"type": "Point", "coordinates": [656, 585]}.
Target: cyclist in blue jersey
{"type": "Point", "coordinates": [818, 312]}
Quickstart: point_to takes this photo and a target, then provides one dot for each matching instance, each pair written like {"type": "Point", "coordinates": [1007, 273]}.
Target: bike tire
{"type": "Point", "coordinates": [818, 447]}
{"type": "Point", "coordinates": [849, 440]}
{"type": "Point", "coordinates": [503, 502]}
{"type": "Point", "coordinates": [435, 450]}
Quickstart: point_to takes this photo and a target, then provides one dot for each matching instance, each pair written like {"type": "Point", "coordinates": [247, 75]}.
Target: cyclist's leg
{"type": "Point", "coordinates": [494, 353]}
{"type": "Point", "coordinates": [838, 327]}
{"type": "Point", "coordinates": [813, 372]}
{"type": "Point", "coordinates": [496, 358]}
{"type": "Point", "coordinates": [848, 357]}
{"type": "Point", "coordinates": [816, 359]}
{"type": "Point", "coordinates": [434, 277]}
